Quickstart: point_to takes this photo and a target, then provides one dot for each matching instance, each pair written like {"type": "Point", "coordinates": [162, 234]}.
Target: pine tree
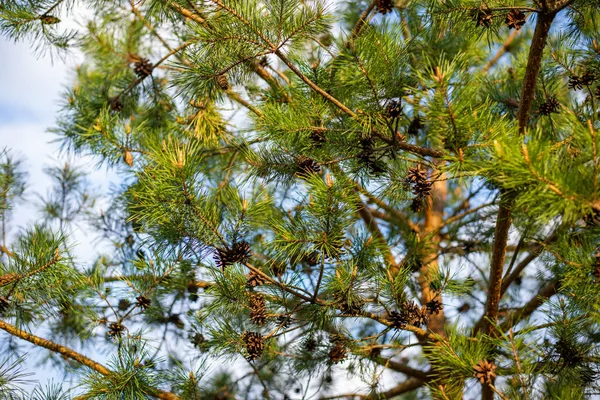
{"type": "Point", "coordinates": [405, 191]}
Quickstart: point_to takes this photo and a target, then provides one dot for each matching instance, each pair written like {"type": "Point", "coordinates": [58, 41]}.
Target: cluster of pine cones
{"type": "Point", "coordinates": [515, 18]}
{"type": "Point", "coordinates": [411, 314]}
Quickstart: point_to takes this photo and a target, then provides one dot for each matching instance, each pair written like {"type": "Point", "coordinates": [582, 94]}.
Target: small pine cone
{"type": "Point", "coordinates": [515, 19]}
{"type": "Point", "coordinates": [398, 319]}
{"type": "Point", "coordinates": [337, 353]}
{"type": "Point", "coordinates": [222, 81]}
{"type": "Point", "coordinates": [588, 78]}
{"type": "Point", "coordinates": [123, 304]}
{"type": "Point", "coordinates": [421, 317]}
{"type": "Point", "coordinates": [238, 253]}
{"type": "Point", "coordinates": [434, 307]}
{"type": "Point", "coordinates": [254, 343]}
{"type": "Point", "coordinates": [385, 6]}
{"type": "Point", "coordinates": [417, 204]}
{"type": "Point", "coordinates": [368, 159]}
{"type": "Point", "coordinates": [306, 166]}
{"type": "Point", "coordinates": [317, 136]}
{"type": "Point", "coordinates": [422, 188]}
{"type": "Point", "coordinates": [279, 269]}
{"type": "Point", "coordinates": [483, 17]}
{"type": "Point", "coordinates": [550, 106]}
{"type": "Point", "coordinates": [199, 341]}
{"type": "Point", "coordinates": [258, 309]}
{"type": "Point", "coordinates": [143, 68]}
{"type": "Point", "coordinates": [115, 104]}
{"type": "Point", "coordinates": [485, 371]}
{"type": "Point", "coordinates": [374, 352]}
{"type": "Point", "coordinates": [49, 19]}
{"type": "Point", "coordinates": [575, 82]}
{"type": "Point", "coordinates": [115, 329]}
{"type": "Point", "coordinates": [309, 345]}
{"type": "Point", "coordinates": [143, 302]}
{"type": "Point", "coordinates": [415, 125]}
{"type": "Point", "coordinates": [176, 320]}
{"type": "Point", "coordinates": [254, 280]}
{"type": "Point", "coordinates": [415, 175]}
{"type": "Point", "coordinates": [393, 109]}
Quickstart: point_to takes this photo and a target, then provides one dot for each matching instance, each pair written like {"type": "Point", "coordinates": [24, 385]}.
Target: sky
{"type": "Point", "coordinates": [30, 88]}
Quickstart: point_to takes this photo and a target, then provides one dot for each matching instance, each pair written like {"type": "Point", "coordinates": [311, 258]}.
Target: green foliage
{"type": "Point", "coordinates": [406, 191]}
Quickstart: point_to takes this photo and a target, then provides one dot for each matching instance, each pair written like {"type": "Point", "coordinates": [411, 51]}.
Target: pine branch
{"type": "Point", "coordinates": [73, 355]}
{"type": "Point", "coordinates": [534, 61]}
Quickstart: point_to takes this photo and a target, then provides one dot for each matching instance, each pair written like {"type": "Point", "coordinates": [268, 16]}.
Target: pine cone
{"type": "Point", "coordinates": [483, 17]}
{"type": "Point", "coordinates": [254, 280]}
{"type": "Point", "coordinates": [368, 159]}
{"type": "Point", "coordinates": [258, 309]}
{"type": "Point", "coordinates": [239, 252]}
{"type": "Point", "coordinates": [415, 175]}
{"type": "Point", "coordinates": [422, 188]}
{"type": "Point", "coordinates": [254, 343]}
{"type": "Point", "coordinates": [337, 353]}
{"type": "Point", "coordinates": [485, 371]}
{"type": "Point", "coordinates": [199, 341]}
{"type": "Point", "coordinates": [385, 6]}
{"type": "Point", "coordinates": [222, 81]}
{"type": "Point", "coordinates": [143, 302]}
{"type": "Point", "coordinates": [434, 307]}
{"type": "Point", "coordinates": [306, 166]}
{"type": "Point", "coordinates": [550, 106]}
{"type": "Point", "coordinates": [515, 19]}
{"type": "Point", "coordinates": [393, 109]}
{"type": "Point", "coordinates": [49, 19]}
{"type": "Point", "coordinates": [309, 345]}
{"type": "Point", "coordinates": [115, 329]}
{"type": "Point", "coordinates": [123, 304]}
{"type": "Point", "coordinates": [415, 125]}
{"type": "Point", "coordinates": [115, 104]}
{"type": "Point", "coordinates": [409, 314]}
{"type": "Point", "coordinates": [143, 68]}
{"type": "Point", "coordinates": [317, 136]}
{"type": "Point", "coordinates": [417, 204]}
